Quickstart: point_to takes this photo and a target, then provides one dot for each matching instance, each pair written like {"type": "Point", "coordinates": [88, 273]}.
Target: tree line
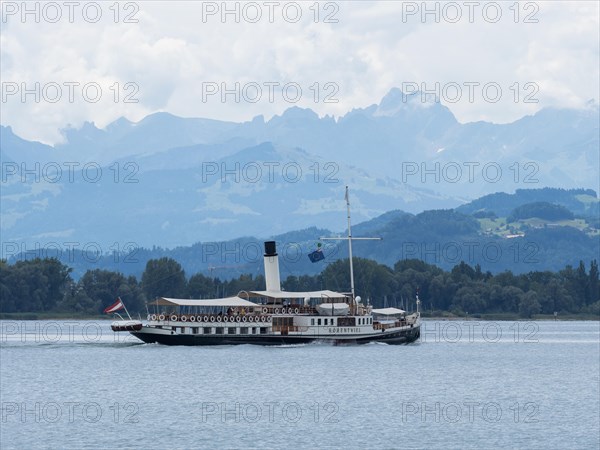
{"type": "Point", "coordinates": [542, 210]}
{"type": "Point", "coordinates": [46, 286]}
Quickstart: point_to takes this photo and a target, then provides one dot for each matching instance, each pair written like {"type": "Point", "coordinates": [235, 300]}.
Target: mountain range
{"type": "Point", "coordinates": [170, 181]}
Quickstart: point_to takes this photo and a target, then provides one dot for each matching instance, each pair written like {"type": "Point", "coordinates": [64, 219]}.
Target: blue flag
{"type": "Point", "coordinates": [317, 255]}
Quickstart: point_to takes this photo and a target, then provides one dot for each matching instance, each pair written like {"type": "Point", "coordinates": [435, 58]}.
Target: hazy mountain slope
{"type": "Point", "coordinates": [171, 181]}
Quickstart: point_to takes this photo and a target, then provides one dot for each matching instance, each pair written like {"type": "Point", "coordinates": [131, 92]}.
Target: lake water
{"type": "Point", "coordinates": [75, 384]}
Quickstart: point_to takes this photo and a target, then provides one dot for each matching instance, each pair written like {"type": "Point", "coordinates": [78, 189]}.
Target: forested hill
{"type": "Point", "coordinates": [538, 229]}
{"type": "Point", "coordinates": [540, 257]}
{"type": "Point", "coordinates": [581, 202]}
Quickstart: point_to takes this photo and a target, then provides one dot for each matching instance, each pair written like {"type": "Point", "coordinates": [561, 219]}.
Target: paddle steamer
{"type": "Point", "coordinates": [275, 316]}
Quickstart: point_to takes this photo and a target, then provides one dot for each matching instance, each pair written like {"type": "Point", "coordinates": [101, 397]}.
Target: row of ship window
{"type": "Point", "coordinates": [331, 321]}
{"type": "Point", "coordinates": [263, 330]}
{"type": "Point", "coordinates": [222, 330]}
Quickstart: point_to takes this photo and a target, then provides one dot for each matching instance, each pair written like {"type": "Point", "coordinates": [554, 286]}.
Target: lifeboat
{"type": "Point", "coordinates": [126, 325]}
{"type": "Point", "coordinates": [333, 309]}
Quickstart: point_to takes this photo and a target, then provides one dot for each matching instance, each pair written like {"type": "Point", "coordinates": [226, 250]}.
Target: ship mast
{"type": "Point", "coordinates": [350, 246]}
{"type": "Point", "coordinates": [350, 239]}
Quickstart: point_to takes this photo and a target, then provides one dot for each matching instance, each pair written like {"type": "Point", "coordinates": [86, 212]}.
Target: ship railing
{"type": "Point", "coordinates": [254, 316]}
{"type": "Point", "coordinates": [191, 319]}
{"type": "Point", "coordinates": [291, 309]}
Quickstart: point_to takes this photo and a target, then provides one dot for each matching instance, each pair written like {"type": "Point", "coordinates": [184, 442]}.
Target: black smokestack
{"type": "Point", "coordinates": [270, 248]}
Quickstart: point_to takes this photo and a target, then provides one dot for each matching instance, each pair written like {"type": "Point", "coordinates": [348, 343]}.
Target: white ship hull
{"type": "Point", "coordinates": [235, 333]}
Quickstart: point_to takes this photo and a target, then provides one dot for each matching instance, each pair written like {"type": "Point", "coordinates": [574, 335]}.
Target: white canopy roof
{"type": "Point", "coordinates": [388, 311]}
{"type": "Point", "coordinates": [333, 309]}
{"type": "Point", "coordinates": [229, 301]}
{"type": "Point", "coordinates": [310, 294]}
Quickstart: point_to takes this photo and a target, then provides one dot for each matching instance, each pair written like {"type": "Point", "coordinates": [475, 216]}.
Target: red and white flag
{"type": "Point", "coordinates": [115, 306]}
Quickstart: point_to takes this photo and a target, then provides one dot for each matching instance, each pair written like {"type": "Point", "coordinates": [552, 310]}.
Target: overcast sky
{"type": "Point", "coordinates": [179, 56]}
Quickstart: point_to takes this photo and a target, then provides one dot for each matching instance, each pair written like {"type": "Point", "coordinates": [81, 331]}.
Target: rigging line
{"type": "Point", "coordinates": [282, 262]}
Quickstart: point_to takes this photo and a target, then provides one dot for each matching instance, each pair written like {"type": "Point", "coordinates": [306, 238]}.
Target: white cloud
{"type": "Point", "coordinates": [171, 51]}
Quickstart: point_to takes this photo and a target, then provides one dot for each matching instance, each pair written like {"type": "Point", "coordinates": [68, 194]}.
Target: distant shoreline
{"type": "Point", "coordinates": [424, 315]}
{"type": "Point", "coordinates": [544, 318]}
{"type": "Point", "coordinates": [514, 317]}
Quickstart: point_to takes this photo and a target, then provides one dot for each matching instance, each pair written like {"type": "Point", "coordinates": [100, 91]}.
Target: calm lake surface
{"type": "Point", "coordinates": [471, 384]}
